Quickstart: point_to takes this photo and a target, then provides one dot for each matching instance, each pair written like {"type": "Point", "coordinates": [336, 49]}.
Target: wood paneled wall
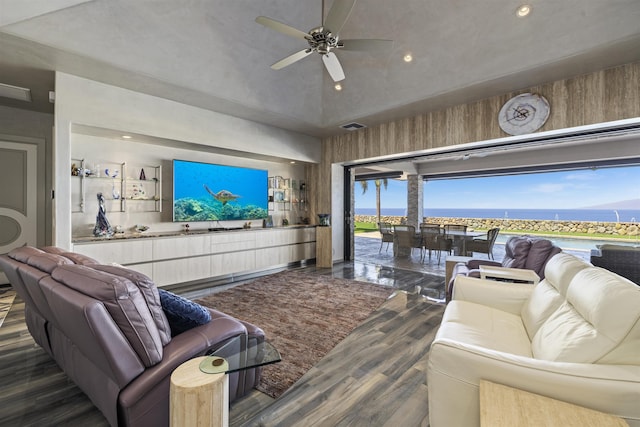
{"type": "Point", "coordinates": [603, 96]}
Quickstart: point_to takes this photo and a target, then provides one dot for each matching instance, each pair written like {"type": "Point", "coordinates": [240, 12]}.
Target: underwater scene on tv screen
{"type": "Point", "coordinates": [210, 192]}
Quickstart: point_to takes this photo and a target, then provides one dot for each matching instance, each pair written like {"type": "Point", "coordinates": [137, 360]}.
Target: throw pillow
{"type": "Point", "coordinates": [181, 313]}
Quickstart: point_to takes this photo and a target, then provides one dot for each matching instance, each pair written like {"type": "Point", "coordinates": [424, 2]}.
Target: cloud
{"type": "Point", "coordinates": [550, 187]}
{"type": "Point", "coordinates": [580, 177]}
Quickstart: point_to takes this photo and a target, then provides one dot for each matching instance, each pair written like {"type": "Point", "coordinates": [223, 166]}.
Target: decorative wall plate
{"type": "Point", "coordinates": [523, 114]}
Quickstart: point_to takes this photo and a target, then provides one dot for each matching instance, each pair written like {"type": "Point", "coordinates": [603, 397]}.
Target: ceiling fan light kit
{"type": "Point", "coordinates": [324, 39]}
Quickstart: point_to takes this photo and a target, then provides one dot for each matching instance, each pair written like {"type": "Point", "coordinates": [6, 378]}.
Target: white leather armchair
{"type": "Point", "coordinates": [574, 337]}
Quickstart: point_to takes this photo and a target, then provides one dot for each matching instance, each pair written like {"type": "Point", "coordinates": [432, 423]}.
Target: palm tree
{"type": "Point", "coordinates": [378, 183]}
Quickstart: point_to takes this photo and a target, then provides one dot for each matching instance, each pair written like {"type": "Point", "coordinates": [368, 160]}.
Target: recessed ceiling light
{"type": "Point", "coordinates": [292, 162]}
{"type": "Point", "coordinates": [523, 11]}
{"type": "Point", "coordinates": [338, 87]}
{"type": "Point", "coordinates": [408, 57]}
{"type": "Point", "coordinates": [15, 92]}
{"type": "Point", "coordinates": [126, 137]}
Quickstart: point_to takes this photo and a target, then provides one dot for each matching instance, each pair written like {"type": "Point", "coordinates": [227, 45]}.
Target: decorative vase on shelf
{"type": "Point", "coordinates": [324, 220]}
{"type": "Point", "coordinates": [102, 227]}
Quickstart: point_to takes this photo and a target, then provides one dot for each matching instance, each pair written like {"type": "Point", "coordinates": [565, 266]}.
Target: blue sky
{"type": "Point", "coordinates": [553, 190]}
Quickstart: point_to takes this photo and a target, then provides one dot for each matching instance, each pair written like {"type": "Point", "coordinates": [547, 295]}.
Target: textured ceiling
{"type": "Point", "coordinates": [211, 53]}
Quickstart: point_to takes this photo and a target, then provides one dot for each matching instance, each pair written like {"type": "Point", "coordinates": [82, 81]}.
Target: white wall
{"type": "Point", "coordinates": [86, 102]}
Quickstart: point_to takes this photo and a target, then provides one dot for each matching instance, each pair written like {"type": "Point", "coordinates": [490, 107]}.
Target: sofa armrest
{"type": "Point", "coordinates": [192, 343]}
{"type": "Point", "coordinates": [508, 297]}
{"type": "Point", "coordinates": [455, 370]}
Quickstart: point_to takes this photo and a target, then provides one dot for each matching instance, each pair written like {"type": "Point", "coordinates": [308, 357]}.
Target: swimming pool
{"type": "Point", "coordinates": [575, 244]}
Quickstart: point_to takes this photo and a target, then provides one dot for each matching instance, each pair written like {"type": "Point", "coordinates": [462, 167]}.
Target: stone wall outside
{"type": "Point", "coordinates": [614, 229]}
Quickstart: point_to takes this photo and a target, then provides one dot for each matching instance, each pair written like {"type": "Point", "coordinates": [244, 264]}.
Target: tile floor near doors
{"type": "Point", "coordinates": [367, 250]}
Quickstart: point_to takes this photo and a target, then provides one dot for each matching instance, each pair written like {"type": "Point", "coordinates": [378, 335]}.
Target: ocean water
{"type": "Point", "coordinates": [603, 215]}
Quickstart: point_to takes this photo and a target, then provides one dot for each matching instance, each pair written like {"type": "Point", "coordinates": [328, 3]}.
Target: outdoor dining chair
{"type": "Point", "coordinates": [433, 239]}
{"type": "Point", "coordinates": [484, 245]}
{"type": "Point", "coordinates": [386, 230]}
{"type": "Point", "coordinates": [405, 238]}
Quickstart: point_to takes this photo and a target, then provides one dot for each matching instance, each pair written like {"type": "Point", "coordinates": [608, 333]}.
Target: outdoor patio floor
{"type": "Point", "coordinates": [367, 250]}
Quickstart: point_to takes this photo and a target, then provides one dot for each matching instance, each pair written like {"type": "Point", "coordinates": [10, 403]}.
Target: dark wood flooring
{"type": "Point", "coordinates": [374, 377]}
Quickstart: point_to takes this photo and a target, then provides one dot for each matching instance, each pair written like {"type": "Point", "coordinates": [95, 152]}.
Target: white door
{"type": "Point", "coordinates": [18, 196]}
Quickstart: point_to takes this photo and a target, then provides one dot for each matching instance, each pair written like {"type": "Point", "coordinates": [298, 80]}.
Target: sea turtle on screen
{"type": "Point", "coordinates": [223, 196]}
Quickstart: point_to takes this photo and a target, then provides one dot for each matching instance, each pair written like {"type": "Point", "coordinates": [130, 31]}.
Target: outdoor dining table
{"type": "Point", "coordinates": [459, 238]}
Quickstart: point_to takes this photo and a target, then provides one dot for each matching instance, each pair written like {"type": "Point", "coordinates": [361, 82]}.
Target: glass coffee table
{"type": "Point", "coordinates": [218, 363]}
{"type": "Point", "coordinates": [199, 390]}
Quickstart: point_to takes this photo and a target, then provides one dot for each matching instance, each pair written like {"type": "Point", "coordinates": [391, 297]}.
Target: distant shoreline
{"type": "Point", "coordinates": [598, 215]}
{"type": "Point", "coordinates": [588, 230]}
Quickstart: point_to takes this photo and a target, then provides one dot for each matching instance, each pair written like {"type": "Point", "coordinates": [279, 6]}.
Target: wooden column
{"type": "Point", "coordinates": [324, 252]}
{"type": "Point", "coordinates": [197, 398]}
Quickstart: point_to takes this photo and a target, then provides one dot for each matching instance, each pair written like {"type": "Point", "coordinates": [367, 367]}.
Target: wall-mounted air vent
{"type": "Point", "coordinates": [353, 126]}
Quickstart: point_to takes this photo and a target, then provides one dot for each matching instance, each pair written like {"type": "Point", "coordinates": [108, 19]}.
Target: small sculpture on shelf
{"type": "Point", "coordinates": [102, 227]}
{"type": "Point", "coordinates": [324, 220]}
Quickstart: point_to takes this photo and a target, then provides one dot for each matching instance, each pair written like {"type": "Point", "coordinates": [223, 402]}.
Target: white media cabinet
{"type": "Point", "coordinates": [172, 258]}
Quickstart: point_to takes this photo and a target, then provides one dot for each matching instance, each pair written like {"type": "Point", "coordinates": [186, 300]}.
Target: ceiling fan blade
{"type": "Point", "coordinates": [291, 59]}
{"type": "Point", "coordinates": [283, 28]}
{"type": "Point", "coordinates": [338, 15]}
{"type": "Point", "coordinates": [368, 45]}
{"type": "Point", "coordinates": [333, 66]}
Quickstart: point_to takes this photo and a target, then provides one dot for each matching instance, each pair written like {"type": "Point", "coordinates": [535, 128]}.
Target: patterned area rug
{"type": "Point", "coordinates": [303, 315]}
{"type": "Point", "coordinates": [6, 301]}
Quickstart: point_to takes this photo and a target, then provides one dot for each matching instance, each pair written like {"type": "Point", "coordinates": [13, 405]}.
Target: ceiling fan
{"type": "Point", "coordinates": [325, 38]}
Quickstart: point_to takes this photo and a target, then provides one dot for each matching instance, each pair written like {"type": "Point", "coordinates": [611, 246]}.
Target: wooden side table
{"type": "Point", "coordinates": [197, 398]}
{"type": "Point", "coordinates": [519, 275]}
{"type": "Point", "coordinates": [501, 405]}
{"type": "Point", "coordinates": [199, 390]}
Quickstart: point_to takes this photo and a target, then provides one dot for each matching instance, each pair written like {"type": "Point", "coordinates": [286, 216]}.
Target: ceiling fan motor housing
{"type": "Point", "coordinates": [322, 41]}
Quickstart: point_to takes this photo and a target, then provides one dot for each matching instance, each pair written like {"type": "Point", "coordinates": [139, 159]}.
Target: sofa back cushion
{"type": "Point", "coordinates": [73, 256]}
{"type": "Point", "coordinates": [561, 269]}
{"type": "Point", "coordinates": [124, 302]}
{"type": "Point", "coordinates": [540, 253]}
{"type": "Point", "coordinates": [47, 262]}
{"type": "Point", "coordinates": [23, 253]}
{"type": "Point", "coordinates": [549, 294]}
{"type": "Point", "coordinates": [149, 291]}
{"type": "Point", "coordinates": [599, 322]}
{"type": "Point", "coordinates": [516, 252]}
{"type": "Point", "coordinates": [543, 302]}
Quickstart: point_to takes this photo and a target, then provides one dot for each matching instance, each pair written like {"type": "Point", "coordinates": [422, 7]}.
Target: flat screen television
{"type": "Point", "coordinates": [211, 192]}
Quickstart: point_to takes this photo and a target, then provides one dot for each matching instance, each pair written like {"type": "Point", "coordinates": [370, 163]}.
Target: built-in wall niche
{"type": "Point", "coordinates": [127, 213]}
{"type": "Point", "coordinates": [124, 187]}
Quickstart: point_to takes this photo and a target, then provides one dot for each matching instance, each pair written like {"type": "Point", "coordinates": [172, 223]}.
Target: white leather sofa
{"type": "Point", "coordinates": [574, 337]}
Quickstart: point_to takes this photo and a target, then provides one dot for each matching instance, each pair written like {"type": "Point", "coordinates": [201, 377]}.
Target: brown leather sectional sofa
{"type": "Point", "coordinates": [105, 328]}
{"type": "Point", "coordinates": [531, 253]}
